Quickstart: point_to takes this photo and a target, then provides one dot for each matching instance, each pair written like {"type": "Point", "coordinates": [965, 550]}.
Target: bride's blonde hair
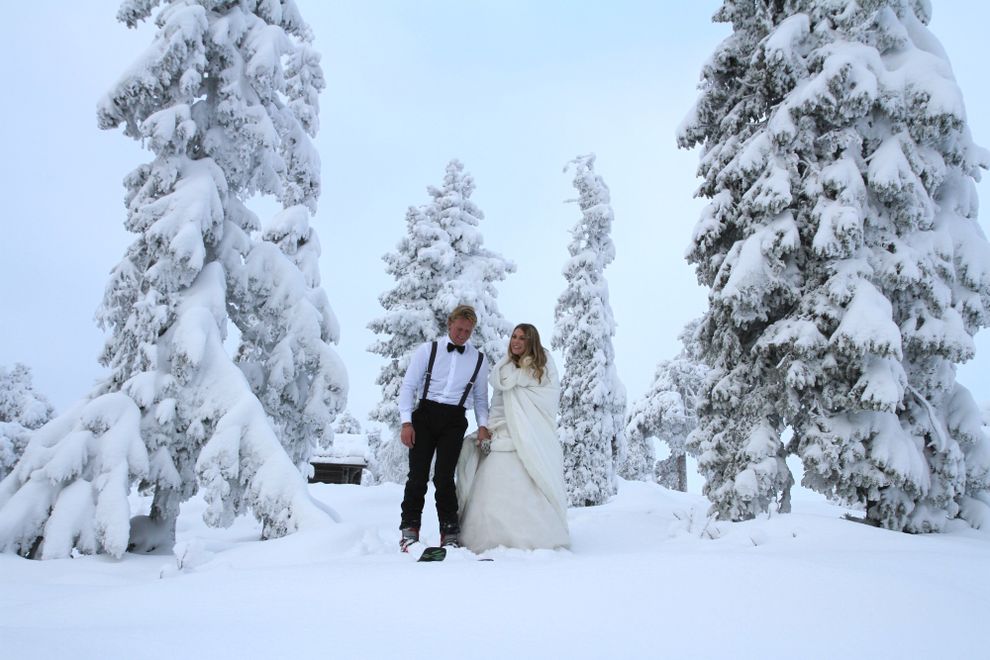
{"type": "Point", "coordinates": [534, 351]}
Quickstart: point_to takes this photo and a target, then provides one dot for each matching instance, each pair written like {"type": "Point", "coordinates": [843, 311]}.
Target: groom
{"type": "Point", "coordinates": [445, 376]}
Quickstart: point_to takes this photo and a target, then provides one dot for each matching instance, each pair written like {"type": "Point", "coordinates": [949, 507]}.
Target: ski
{"type": "Point", "coordinates": [433, 553]}
{"type": "Point", "coordinates": [424, 552]}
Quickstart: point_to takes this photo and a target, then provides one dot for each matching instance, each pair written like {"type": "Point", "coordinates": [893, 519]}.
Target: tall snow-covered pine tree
{"type": "Point", "coordinates": [440, 263]}
{"type": "Point", "coordinates": [226, 100]}
{"type": "Point", "coordinates": [847, 270]}
{"type": "Point", "coordinates": [592, 399]}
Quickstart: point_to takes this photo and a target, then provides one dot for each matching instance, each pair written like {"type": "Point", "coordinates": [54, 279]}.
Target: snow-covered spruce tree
{"type": "Point", "coordinates": [225, 98]}
{"type": "Point", "coordinates": [847, 269]}
{"type": "Point", "coordinates": [22, 410]}
{"type": "Point", "coordinates": [592, 400]}
{"type": "Point", "coordinates": [666, 412]}
{"type": "Point", "coordinates": [373, 469]}
{"type": "Point", "coordinates": [440, 263]}
{"type": "Point", "coordinates": [640, 460]}
{"type": "Point", "coordinates": [347, 423]}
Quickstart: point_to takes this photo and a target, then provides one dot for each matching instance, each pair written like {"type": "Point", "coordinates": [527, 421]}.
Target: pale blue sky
{"type": "Point", "coordinates": [514, 89]}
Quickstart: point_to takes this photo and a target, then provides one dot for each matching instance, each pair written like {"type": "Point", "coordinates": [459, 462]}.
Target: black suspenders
{"type": "Point", "coordinates": [429, 369]}
{"type": "Point", "coordinates": [474, 377]}
{"type": "Point", "coordinates": [429, 374]}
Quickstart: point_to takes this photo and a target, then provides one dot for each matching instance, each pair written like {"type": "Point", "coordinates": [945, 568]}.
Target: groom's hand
{"type": "Point", "coordinates": [407, 435]}
{"type": "Point", "coordinates": [483, 434]}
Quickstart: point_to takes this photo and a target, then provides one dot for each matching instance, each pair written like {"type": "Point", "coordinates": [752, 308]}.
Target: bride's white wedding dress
{"type": "Point", "coordinates": [515, 496]}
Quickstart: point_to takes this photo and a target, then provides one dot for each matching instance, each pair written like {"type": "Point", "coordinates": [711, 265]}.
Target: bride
{"type": "Point", "coordinates": [513, 495]}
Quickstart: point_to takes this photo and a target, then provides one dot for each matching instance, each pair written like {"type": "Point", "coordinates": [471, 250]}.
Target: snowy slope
{"type": "Point", "coordinates": [648, 576]}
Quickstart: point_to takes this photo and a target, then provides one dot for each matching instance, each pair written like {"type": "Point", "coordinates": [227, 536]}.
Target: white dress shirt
{"type": "Point", "coordinates": [451, 373]}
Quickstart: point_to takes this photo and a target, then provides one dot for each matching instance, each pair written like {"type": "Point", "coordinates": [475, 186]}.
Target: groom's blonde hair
{"type": "Point", "coordinates": [534, 350]}
{"type": "Point", "coordinates": [465, 312]}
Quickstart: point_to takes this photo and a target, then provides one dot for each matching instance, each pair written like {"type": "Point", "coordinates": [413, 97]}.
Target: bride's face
{"type": "Point", "coordinates": [517, 344]}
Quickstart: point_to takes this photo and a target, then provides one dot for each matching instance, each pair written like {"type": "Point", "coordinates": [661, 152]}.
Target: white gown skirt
{"type": "Point", "coordinates": [505, 508]}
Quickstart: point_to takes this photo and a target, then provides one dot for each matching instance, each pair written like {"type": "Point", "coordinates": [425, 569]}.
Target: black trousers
{"type": "Point", "coordinates": [439, 431]}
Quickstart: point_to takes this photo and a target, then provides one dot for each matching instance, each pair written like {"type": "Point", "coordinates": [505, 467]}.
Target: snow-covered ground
{"type": "Point", "coordinates": [648, 576]}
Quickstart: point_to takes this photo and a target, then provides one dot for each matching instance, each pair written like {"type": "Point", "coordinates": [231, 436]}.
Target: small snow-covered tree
{"type": "Point", "coordinates": [440, 263]}
{"type": "Point", "coordinates": [666, 412]}
{"type": "Point", "coordinates": [976, 509]}
{"type": "Point", "coordinates": [373, 469]}
{"type": "Point", "coordinates": [592, 399]}
{"type": "Point", "coordinates": [226, 100]}
{"type": "Point", "coordinates": [22, 410]}
{"type": "Point", "coordinates": [639, 463]}
{"type": "Point", "coordinates": [847, 270]}
{"type": "Point", "coordinates": [347, 423]}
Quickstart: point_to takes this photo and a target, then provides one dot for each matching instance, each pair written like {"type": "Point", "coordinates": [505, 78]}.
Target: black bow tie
{"type": "Point", "coordinates": [454, 347]}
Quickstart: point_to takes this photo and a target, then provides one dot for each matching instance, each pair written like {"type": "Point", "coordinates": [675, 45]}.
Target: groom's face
{"type": "Point", "coordinates": [460, 331]}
